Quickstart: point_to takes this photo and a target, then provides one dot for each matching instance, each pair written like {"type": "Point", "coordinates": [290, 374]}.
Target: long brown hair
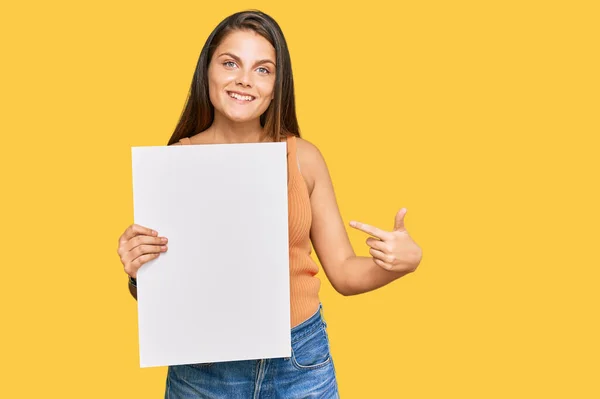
{"type": "Point", "coordinates": [280, 117]}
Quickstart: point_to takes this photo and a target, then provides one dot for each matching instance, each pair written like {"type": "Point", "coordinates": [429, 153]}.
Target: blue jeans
{"type": "Point", "coordinates": [308, 373]}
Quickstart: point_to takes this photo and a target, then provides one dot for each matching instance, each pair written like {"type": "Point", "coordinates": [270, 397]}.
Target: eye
{"type": "Point", "coordinates": [229, 64]}
{"type": "Point", "coordinates": [263, 70]}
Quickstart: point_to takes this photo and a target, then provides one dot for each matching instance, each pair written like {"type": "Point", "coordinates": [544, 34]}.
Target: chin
{"type": "Point", "coordinates": [241, 118]}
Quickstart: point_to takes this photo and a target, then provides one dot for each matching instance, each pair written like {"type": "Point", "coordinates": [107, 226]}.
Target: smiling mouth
{"type": "Point", "coordinates": [239, 96]}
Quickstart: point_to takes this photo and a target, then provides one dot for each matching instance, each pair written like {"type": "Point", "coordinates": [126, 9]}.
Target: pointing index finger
{"type": "Point", "coordinates": [374, 231]}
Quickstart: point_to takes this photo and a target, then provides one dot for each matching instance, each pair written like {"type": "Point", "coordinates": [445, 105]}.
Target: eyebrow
{"type": "Point", "coordinates": [235, 57]}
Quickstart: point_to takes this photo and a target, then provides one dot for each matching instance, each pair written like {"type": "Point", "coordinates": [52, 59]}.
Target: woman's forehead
{"type": "Point", "coordinates": [246, 44]}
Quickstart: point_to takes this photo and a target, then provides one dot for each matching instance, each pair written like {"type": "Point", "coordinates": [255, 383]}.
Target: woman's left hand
{"type": "Point", "coordinates": [392, 250]}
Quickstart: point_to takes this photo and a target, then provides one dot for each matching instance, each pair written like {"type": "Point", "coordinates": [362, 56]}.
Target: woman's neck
{"type": "Point", "coordinates": [227, 131]}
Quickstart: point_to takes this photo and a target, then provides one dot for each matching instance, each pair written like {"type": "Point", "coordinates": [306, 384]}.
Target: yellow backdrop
{"type": "Point", "coordinates": [481, 118]}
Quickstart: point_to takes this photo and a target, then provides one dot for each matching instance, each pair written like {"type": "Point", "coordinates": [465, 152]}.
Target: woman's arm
{"type": "Point", "coordinates": [350, 274]}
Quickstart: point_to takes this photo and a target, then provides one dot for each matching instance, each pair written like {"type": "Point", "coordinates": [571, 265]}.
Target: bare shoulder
{"type": "Point", "coordinates": [308, 152]}
{"type": "Point", "coordinates": [198, 138]}
{"type": "Point", "coordinates": [312, 163]}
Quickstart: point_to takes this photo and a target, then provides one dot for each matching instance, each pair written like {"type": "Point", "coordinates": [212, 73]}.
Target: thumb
{"type": "Point", "coordinates": [399, 222]}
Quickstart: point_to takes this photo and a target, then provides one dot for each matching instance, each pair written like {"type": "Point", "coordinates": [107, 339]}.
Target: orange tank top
{"type": "Point", "coordinates": [304, 285]}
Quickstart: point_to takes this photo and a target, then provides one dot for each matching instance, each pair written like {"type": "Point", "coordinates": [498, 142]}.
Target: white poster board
{"type": "Point", "coordinates": [221, 292]}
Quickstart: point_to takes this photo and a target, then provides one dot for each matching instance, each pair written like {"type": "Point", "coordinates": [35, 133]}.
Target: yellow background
{"type": "Point", "coordinates": [482, 118]}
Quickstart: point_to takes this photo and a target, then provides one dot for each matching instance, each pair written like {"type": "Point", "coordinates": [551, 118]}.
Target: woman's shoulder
{"type": "Point", "coordinates": [312, 164]}
{"type": "Point", "coordinates": [181, 142]}
{"type": "Point", "coordinates": [197, 138]}
{"type": "Point", "coordinates": [308, 151]}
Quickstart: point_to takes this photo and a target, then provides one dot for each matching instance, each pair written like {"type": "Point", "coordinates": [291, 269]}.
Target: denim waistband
{"type": "Point", "coordinates": [314, 322]}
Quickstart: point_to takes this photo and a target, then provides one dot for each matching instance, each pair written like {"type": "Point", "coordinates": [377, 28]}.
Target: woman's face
{"type": "Point", "coordinates": [241, 76]}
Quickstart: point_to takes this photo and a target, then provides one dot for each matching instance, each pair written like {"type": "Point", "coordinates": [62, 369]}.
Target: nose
{"type": "Point", "coordinates": [244, 79]}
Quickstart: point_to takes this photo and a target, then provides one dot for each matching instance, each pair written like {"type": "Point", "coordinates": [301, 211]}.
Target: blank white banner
{"type": "Point", "coordinates": [221, 292]}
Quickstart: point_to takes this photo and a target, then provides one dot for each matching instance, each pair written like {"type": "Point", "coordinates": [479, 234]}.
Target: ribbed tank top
{"type": "Point", "coordinates": [304, 285]}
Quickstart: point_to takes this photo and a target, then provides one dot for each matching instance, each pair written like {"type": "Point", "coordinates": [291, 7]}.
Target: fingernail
{"type": "Point", "coordinates": [353, 223]}
{"type": "Point", "coordinates": [163, 239]}
{"type": "Point", "coordinates": [154, 233]}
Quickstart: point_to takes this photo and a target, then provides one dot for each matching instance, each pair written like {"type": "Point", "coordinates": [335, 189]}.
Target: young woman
{"type": "Point", "coordinates": [243, 92]}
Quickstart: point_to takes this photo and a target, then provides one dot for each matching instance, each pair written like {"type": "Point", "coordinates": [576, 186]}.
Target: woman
{"type": "Point", "coordinates": [243, 92]}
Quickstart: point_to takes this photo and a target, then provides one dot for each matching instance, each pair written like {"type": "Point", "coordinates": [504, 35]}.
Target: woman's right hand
{"type": "Point", "coordinates": [138, 245]}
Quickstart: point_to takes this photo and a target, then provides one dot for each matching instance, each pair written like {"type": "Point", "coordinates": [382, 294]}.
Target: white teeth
{"type": "Point", "coordinates": [238, 97]}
